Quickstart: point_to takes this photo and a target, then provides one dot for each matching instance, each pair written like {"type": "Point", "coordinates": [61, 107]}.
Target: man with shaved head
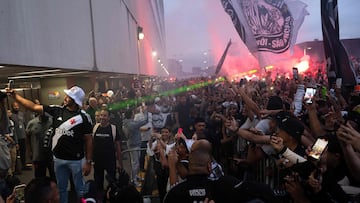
{"type": "Point", "coordinates": [203, 145]}
{"type": "Point", "coordinates": [197, 186]}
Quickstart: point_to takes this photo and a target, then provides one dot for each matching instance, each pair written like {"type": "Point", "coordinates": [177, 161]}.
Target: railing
{"type": "Point", "coordinates": [146, 187]}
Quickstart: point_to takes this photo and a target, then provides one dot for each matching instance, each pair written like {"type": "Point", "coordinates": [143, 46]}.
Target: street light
{"type": "Point", "coordinates": [140, 33]}
{"type": "Point", "coordinates": [307, 48]}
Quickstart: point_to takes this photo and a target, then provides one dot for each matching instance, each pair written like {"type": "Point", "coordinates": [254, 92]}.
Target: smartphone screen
{"type": "Point", "coordinates": [318, 148]}
{"type": "Point", "coordinates": [20, 193]}
{"type": "Point", "coordinates": [295, 73]}
{"type": "Point", "coordinates": [309, 94]}
{"type": "Point", "coordinates": [338, 83]}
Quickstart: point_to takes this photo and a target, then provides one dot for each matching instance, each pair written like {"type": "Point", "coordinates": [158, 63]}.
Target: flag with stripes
{"type": "Point", "coordinates": [338, 62]}
{"type": "Point", "coordinates": [267, 27]}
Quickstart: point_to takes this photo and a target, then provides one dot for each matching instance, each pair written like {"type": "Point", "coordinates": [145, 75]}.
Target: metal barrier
{"type": "Point", "coordinates": [146, 187]}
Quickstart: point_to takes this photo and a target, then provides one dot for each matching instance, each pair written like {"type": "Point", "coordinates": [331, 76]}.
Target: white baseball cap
{"type": "Point", "coordinates": [76, 93]}
{"type": "Point", "coordinates": [110, 93]}
{"type": "Point", "coordinates": [157, 99]}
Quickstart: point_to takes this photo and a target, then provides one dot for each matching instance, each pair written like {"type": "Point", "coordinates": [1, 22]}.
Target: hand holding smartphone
{"type": "Point", "coordinates": [309, 94]}
{"type": "Point", "coordinates": [19, 191]}
{"type": "Point", "coordinates": [338, 83]}
{"type": "Point", "coordinates": [295, 73]}
{"type": "Point", "coordinates": [318, 148]}
{"type": "Point", "coordinates": [180, 131]}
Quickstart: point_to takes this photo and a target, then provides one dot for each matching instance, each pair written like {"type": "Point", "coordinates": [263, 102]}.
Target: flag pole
{"type": "Point", "coordinates": [222, 59]}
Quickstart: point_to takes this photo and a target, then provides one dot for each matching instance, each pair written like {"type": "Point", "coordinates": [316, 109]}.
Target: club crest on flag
{"type": "Point", "coordinates": [267, 27]}
{"type": "Point", "coordinates": [271, 23]}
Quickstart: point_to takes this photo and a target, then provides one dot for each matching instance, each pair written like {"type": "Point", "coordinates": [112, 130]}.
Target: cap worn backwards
{"type": "Point", "coordinates": [292, 126]}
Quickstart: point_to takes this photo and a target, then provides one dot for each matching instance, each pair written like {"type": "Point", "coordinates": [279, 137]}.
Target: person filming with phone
{"type": "Point", "coordinates": [71, 138]}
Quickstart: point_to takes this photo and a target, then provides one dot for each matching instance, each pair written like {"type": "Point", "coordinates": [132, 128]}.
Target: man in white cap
{"type": "Point", "coordinates": [72, 129]}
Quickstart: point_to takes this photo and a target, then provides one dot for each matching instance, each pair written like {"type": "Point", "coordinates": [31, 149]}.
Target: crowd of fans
{"type": "Point", "coordinates": [215, 140]}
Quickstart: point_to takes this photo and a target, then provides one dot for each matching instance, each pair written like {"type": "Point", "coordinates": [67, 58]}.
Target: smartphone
{"type": "Point", "coordinates": [338, 83]}
{"type": "Point", "coordinates": [318, 148]}
{"type": "Point", "coordinates": [10, 83]}
{"type": "Point", "coordinates": [19, 191]}
{"type": "Point", "coordinates": [295, 73]}
{"type": "Point", "coordinates": [309, 94]}
{"type": "Point", "coordinates": [180, 131]}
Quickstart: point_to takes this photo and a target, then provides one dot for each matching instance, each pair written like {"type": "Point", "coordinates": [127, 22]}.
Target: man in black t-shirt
{"type": "Point", "coordinates": [197, 186]}
{"type": "Point", "coordinates": [72, 129]}
{"type": "Point", "coordinates": [107, 151]}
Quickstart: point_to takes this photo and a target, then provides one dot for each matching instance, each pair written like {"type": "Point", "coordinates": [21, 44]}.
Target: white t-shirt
{"type": "Point", "coordinates": [264, 127]}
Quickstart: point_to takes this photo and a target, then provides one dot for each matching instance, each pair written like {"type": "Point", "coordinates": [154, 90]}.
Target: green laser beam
{"type": "Point", "coordinates": [134, 102]}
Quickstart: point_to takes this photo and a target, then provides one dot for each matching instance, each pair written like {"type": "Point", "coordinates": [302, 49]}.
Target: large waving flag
{"type": "Point", "coordinates": [338, 63]}
{"type": "Point", "coordinates": [268, 27]}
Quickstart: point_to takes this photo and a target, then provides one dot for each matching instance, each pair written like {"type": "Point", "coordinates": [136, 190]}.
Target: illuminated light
{"type": "Point", "coordinates": [204, 61]}
{"type": "Point", "coordinates": [180, 60]}
{"type": "Point", "coordinates": [140, 33]}
{"type": "Point", "coordinates": [271, 88]}
{"type": "Point", "coordinates": [205, 53]}
{"type": "Point", "coordinates": [252, 71]}
{"type": "Point", "coordinates": [269, 67]}
{"type": "Point", "coordinates": [263, 79]}
{"type": "Point", "coordinates": [302, 66]}
{"type": "Point", "coordinates": [38, 71]}
{"type": "Point", "coordinates": [47, 75]}
{"type": "Point", "coordinates": [2, 66]}
{"type": "Point", "coordinates": [159, 60]}
{"type": "Point", "coordinates": [162, 64]}
{"type": "Point", "coordinates": [154, 53]}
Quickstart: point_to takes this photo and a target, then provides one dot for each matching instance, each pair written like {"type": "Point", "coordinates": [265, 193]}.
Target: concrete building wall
{"type": "Point", "coordinates": [83, 34]}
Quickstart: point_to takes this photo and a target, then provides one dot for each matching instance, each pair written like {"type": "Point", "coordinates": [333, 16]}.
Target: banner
{"type": "Point", "coordinates": [267, 27]}
{"type": "Point", "coordinates": [338, 63]}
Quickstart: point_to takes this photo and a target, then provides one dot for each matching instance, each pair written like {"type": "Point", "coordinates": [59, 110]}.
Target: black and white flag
{"type": "Point", "coordinates": [267, 27]}
{"type": "Point", "coordinates": [337, 59]}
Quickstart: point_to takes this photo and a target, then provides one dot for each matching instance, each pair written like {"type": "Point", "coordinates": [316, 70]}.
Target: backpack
{"type": "Point", "coordinates": [113, 130]}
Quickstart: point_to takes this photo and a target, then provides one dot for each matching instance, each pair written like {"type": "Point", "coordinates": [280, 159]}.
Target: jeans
{"type": "Point", "coordinates": [135, 162]}
{"type": "Point", "coordinates": [13, 159]}
{"type": "Point", "coordinates": [63, 170]}
{"type": "Point", "coordinates": [142, 155]}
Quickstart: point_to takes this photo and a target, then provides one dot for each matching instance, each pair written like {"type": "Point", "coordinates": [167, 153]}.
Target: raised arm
{"type": "Point", "coordinates": [28, 104]}
{"type": "Point", "coordinates": [249, 102]}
